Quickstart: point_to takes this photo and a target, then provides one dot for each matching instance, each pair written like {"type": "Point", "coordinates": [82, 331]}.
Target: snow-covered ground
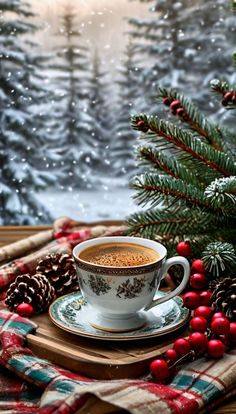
{"type": "Point", "coordinates": [90, 205]}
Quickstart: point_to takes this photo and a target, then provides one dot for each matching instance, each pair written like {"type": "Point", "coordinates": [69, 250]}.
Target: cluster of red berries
{"type": "Point", "coordinates": [175, 106]}
{"type": "Point", "coordinates": [229, 97]}
{"type": "Point", "coordinates": [211, 332]}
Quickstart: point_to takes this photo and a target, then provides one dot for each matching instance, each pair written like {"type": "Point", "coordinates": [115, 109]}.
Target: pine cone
{"type": "Point", "coordinates": [224, 297]}
{"type": "Point", "coordinates": [214, 283]}
{"type": "Point", "coordinates": [35, 290]}
{"type": "Point", "coordinates": [60, 270]}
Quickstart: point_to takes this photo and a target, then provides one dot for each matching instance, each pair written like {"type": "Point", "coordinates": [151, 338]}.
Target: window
{"type": "Point", "coordinates": [71, 76]}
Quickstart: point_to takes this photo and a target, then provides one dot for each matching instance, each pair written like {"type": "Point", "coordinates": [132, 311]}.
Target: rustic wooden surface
{"type": "Point", "coordinates": [52, 343]}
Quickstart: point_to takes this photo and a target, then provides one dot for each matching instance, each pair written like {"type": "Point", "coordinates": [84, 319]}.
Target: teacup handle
{"type": "Point", "coordinates": [177, 260]}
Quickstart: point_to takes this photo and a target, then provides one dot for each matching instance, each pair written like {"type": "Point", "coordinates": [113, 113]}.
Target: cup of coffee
{"type": "Point", "coordinates": [119, 277]}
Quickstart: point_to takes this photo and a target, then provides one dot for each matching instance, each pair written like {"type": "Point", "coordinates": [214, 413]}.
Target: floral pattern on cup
{"type": "Point", "coordinates": [129, 290]}
{"type": "Point", "coordinates": [98, 285]}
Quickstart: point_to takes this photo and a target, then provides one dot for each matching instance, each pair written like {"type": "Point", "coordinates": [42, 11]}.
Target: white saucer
{"type": "Point", "coordinates": [73, 314]}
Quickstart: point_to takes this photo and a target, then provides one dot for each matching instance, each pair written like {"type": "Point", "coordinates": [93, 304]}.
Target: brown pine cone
{"type": "Point", "coordinates": [35, 290]}
{"type": "Point", "coordinates": [224, 297]}
{"type": "Point", "coordinates": [60, 270]}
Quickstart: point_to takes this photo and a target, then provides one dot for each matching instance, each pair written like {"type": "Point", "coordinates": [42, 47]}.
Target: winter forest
{"type": "Point", "coordinates": [71, 75]}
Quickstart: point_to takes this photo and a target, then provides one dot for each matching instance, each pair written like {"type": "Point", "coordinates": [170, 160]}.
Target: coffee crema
{"type": "Point", "coordinates": [119, 255]}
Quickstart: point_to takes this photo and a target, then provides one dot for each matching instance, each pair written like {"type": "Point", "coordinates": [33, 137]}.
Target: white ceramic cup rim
{"type": "Point", "coordinates": [157, 247]}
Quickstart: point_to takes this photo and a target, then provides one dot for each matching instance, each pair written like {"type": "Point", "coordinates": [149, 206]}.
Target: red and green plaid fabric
{"type": "Point", "coordinates": [29, 384]}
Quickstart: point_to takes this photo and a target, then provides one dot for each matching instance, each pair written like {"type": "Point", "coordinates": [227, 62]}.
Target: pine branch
{"type": "Point", "coordinates": [157, 189]}
{"type": "Point", "coordinates": [220, 258]}
{"type": "Point", "coordinates": [191, 115]}
{"type": "Point", "coordinates": [151, 157]}
{"type": "Point", "coordinates": [167, 223]}
{"type": "Point", "coordinates": [225, 91]}
{"type": "Point", "coordinates": [222, 193]}
{"type": "Point", "coordinates": [187, 142]}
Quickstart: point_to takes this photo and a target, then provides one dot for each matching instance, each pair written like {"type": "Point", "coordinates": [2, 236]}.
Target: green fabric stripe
{"type": "Point", "coordinates": [21, 328]}
{"type": "Point", "coordinates": [41, 373]}
{"type": "Point", "coordinates": [206, 389]}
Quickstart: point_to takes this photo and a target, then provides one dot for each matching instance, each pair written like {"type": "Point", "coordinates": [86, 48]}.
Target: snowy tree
{"type": "Point", "coordinates": [130, 100]}
{"type": "Point", "coordinates": [99, 123]}
{"type": "Point", "coordinates": [186, 43]}
{"type": "Point", "coordinates": [68, 77]}
{"type": "Point", "coordinates": [21, 138]}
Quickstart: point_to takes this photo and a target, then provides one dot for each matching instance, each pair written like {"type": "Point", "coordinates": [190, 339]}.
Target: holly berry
{"type": "Point", "coordinates": [205, 297]}
{"type": "Point", "coordinates": [167, 101]}
{"type": "Point", "coordinates": [159, 369]}
{"type": "Point", "coordinates": [198, 324]}
{"type": "Point", "coordinates": [198, 266]}
{"type": "Point", "coordinates": [191, 300]}
{"type": "Point", "coordinates": [218, 315]}
{"type": "Point", "coordinates": [182, 346]}
{"type": "Point", "coordinates": [204, 311]}
{"type": "Point", "coordinates": [180, 111]}
{"type": "Point", "coordinates": [171, 354]}
{"type": "Point", "coordinates": [142, 126]}
{"type": "Point", "coordinates": [183, 248]}
{"type": "Point", "coordinates": [24, 309]}
{"type": "Point", "coordinates": [234, 98]}
{"type": "Point", "coordinates": [220, 326]}
{"type": "Point", "coordinates": [175, 105]}
{"type": "Point", "coordinates": [227, 97]}
{"type": "Point", "coordinates": [198, 281]}
{"type": "Point", "coordinates": [198, 342]}
{"type": "Point", "coordinates": [215, 348]}
{"type": "Point", "coordinates": [232, 331]}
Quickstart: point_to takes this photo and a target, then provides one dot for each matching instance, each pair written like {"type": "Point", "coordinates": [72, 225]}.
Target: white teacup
{"type": "Point", "coordinates": [118, 294]}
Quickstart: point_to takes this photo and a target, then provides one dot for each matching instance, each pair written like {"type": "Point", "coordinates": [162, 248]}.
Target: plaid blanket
{"type": "Point", "coordinates": [29, 384]}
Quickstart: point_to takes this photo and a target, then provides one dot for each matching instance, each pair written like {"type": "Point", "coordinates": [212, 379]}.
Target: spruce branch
{"type": "Point", "coordinates": [221, 193]}
{"type": "Point", "coordinates": [187, 142]}
{"type": "Point", "coordinates": [167, 223]}
{"type": "Point", "coordinates": [191, 115]}
{"type": "Point", "coordinates": [158, 160]}
{"type": "Point", "coordinates": [219, 258]}
{"type": "Point", "coordinates": [157, 189]}
{"type": "Point", "coordinates": [225, 91]}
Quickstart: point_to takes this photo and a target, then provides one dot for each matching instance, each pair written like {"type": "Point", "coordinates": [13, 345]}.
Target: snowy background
{"type": "Point", "coordinates": [71, 75]}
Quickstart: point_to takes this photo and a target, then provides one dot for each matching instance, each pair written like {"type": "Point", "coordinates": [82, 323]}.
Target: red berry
{"type": "Point", "coordinates": [184, 249]}
{"type": "Point", "coordinates": [171, 354]}
{"type": "Point", "coordinates": [205, 297]}
{"type": "Point", "coordinates": [181, 346]}
{"type": "Point", "coordinates": [180, 111]}
{"type": "Point", "coordinates": [25, 309]}
{"type": "Point", "coordinates": [220, 326]}
{"type": "Point", "coordinates": [197, 265]}
{"type": "Point", "coordinates": [228, 96]}
{"type": "Point", "coordinates": [198, 342]}
{"type": "Point", "coordinates": [232, 331]}
{"type": "Point", "coordinates": [167, 101]}
{"type": "Point", "coordinates": [191, 300]}
{"type": "Point", "coordinates": [159, 369]}
{"type": "Point", "coordinates": [215, 348]}
{"type": "Point", "coordinates": [218, 315]}
{"type": "Point", "coordinates": [198, 281]}
{"type": "Point", "coordinates": [199, 324]}
{"type": "Point", "coordinates": [204, 311]}
{"type": "Point", "coordinates": [175, 105]}
{"type": "Point", "coordinates": [142, 126]}
{"type": "Point", "coordinates": [234, 98]}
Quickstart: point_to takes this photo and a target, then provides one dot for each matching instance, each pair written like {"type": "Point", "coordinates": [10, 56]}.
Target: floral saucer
{"type": "Point", "coordinates": [72, 313]}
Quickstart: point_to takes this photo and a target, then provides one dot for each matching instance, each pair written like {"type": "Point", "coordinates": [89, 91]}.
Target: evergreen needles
{"type": "Point", "coordinates": [189, 180]}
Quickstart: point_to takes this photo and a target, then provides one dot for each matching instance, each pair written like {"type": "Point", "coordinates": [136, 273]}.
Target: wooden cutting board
{"type": "Point", "coordinates": [95, 358]}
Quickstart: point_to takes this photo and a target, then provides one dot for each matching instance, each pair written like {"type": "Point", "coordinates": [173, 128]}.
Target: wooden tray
{"type": "Point", "coordinates": [95, 358]}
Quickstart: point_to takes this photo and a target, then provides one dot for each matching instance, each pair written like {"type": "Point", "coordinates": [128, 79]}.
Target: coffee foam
{"type": "Point", "coordinates": [119, 255]}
